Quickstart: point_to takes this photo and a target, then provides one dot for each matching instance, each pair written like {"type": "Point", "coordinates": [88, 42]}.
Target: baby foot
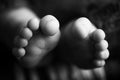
{"type": "Point", "coordinates": [36, 40]}
{"type": "Point", "coordinates": [84, 45]}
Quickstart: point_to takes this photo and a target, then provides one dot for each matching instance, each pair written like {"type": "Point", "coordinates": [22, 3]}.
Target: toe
{"type": "Point", "coordinates": [82, 27]}
{"type": "Point", "coordinates": [102, 45]}
{"type": "Point", "coordinates": [20, 42]}
{"type": "Point", "coordinates": [98, 35]}
{"type": "Point", "coordinates": [33, 24]}
{"type": "Point", "coordinates": [23, 42]}
{"type": "Point", "coordinates": [103, 54]}
{"type": "Point", "coordinates": [26, 33]}
{"type": "Point", "coordinates": [18, 52]}
{"type": "Point", "coordinates": [49, 25]}
{"type": "Point", "coordinates": [99, 63]}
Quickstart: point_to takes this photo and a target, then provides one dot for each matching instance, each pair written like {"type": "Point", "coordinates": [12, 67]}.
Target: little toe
{"type": "Point", "coordinates": [102, 55]}
{"type": "Point", "coordinates": [18, 52]}
{"type": "Point", "coordinates": [49, 25]}
{"type": "Point", "coordinates": [33, 24]}
{"type": "Point", "coordinates": [102, 45]}
{"type": "Point", "coordinates": [26, 33]}
{"type": "Point", "coordinates": [99, 63]}
{"type": "Point", "coordinates": [98, 35]}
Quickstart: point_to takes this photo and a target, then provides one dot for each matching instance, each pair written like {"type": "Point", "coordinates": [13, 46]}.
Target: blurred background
{"type": "Point", "coordinates": [104, 14]}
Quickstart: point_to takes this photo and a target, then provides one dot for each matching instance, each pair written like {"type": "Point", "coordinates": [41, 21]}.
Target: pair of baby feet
{"type": "Point", "coordinates": [39, 37]}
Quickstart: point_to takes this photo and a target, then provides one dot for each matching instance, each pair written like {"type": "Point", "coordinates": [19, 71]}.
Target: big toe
{"type": "Point", "coordinates": [82, 27]}
{"type": "Point", "coordinates": [49, 25]}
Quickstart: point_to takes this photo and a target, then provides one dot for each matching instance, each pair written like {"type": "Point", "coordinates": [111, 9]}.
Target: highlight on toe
{"type": "Point", "coordinates": [49, 25]}
{"type": "Point", "coordinates": [102, 45]}
{"type": "Point", "coordinates": [103, 54]}
{"type": "Point", "coordinates": [26, 33]}
{"type": "Point", "coordinates": [18, 52]}
{"type": "Point", "coordinates": [83, 27]}
{"type": "Point", "coordinates": [98, 35]}
{"type": "Point", "coordinates": [99, 63]}
{"type": "Point", "coordinates": [33, 24]}
{"type": "Point", "coordinates": [20, 42]}
{"type": "Point", "coordinates": [79, 29]}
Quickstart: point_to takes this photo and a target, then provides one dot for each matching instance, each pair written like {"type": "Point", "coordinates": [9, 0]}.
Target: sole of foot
{"type": "Point", "coordinates": [37, 39]}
